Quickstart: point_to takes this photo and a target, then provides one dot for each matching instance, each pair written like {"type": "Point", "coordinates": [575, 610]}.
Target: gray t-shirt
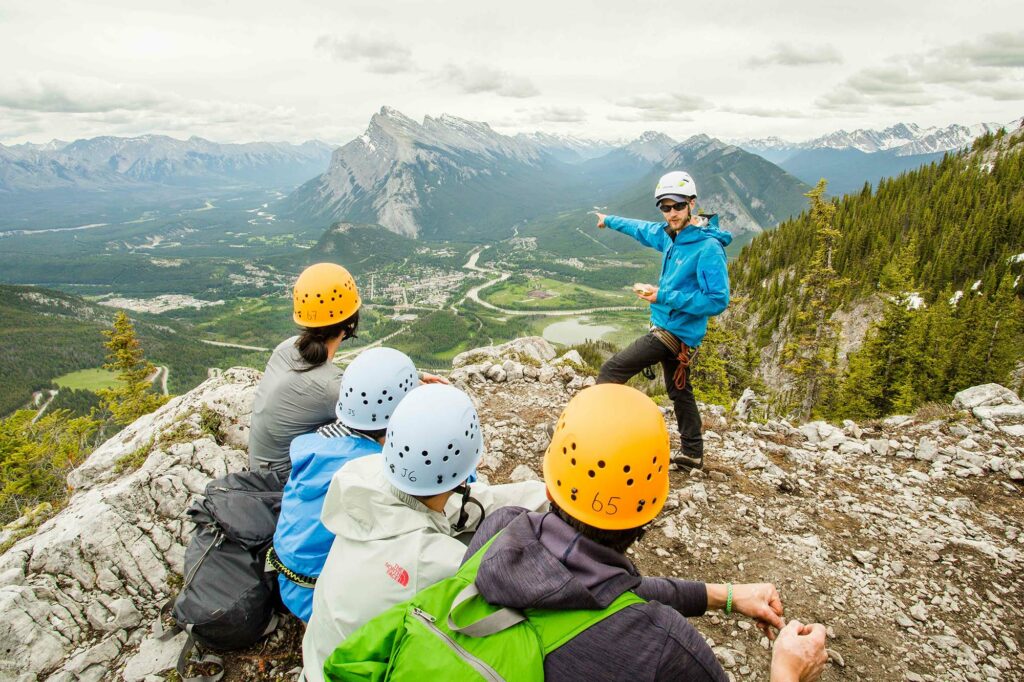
{"type": "Point", "coordinates": [288, 404]}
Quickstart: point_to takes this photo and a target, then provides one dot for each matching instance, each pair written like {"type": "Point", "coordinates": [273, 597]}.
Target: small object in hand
{"type": "Point", "coordinates": [642, 289]}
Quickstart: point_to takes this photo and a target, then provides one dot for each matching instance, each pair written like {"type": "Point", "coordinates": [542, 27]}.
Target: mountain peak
{"type": "Point", "coordinates": [653, 136]}
{"type": "Point", "coordinates": [651, 146]}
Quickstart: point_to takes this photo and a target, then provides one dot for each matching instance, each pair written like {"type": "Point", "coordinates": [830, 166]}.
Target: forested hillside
{"type": "Point", "coordinates": [48, 333]}
{"type": "Point", "coordinates": [942, 249]}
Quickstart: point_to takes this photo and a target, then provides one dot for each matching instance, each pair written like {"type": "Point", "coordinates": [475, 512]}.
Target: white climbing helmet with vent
{"type": "Point", "coordinates": [433, 441]}
{"type": "Point", "coordinates": [372, 387]}
{"type": "Point", "coordinates": [677, 186]}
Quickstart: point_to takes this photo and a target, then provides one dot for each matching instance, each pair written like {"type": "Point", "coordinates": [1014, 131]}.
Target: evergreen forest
{"type": "Point", "coordinates": [940, 248]}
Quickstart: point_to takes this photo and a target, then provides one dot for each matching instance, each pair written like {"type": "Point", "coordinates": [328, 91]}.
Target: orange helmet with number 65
{"type": "Point", "coordinates": [607, 464]}
{"type": "Point", "coordinates": [324, 294]}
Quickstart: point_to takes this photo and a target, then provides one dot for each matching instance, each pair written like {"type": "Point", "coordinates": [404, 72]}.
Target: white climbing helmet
{"type": "Point", "coordinates": [677, 186]}
{"type": "Point", "coordinates": [433, 442]}
{"type": "Point", "coordinates": [372, 386]}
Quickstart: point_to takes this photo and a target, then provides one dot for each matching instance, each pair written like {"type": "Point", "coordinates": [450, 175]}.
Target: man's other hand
{"type": "Point", "coordinates": [761, 602]}
{"type": "Point", "coordinates": [651, 295]}
{"type": "Point", "coordinates": [799, 653]}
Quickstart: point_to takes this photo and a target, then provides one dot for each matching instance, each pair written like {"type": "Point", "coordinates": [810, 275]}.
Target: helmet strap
{"type": "Point", "coordinates": [460, 525]}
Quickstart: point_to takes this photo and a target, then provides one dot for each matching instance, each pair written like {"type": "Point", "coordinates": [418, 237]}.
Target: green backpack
{"type": "Point", "coordinates": [448, 632]}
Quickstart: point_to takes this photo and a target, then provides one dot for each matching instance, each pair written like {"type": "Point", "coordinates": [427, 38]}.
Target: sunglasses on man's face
{"type": "Point", "coordinates": [668, 208]}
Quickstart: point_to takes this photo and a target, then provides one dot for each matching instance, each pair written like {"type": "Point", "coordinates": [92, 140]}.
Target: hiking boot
{"type": "Point", "coordinates": [687, 462]}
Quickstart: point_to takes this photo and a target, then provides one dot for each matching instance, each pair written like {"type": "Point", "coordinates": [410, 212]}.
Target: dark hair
{"type": "Point", "coordinates": [375, 434]}
{"type": "Point", "coordinates": [312, 343]}
{"type": "Point", "coordinates": [619, 540]}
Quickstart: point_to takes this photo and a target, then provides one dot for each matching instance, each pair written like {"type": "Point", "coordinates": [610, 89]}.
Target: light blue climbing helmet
{"type": "Point", "coordinates": [372, 387]}
{"type": "Point", "coordinates": [433, 442]}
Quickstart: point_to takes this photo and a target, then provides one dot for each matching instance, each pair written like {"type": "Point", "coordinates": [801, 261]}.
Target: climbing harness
{"type": "Point", "coordinates": [684, 354]}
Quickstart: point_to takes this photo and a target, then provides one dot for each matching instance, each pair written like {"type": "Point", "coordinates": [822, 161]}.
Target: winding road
{"type": "Point", "coordinates": [474, 294]}
{"type": "Point", "coordinates": [224, 344]}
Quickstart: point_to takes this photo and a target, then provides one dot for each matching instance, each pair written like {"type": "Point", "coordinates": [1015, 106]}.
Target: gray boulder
{"type": "Point", "coordinates": [986, 395]}
{"type": "Point", "coordinates": [533, 347]}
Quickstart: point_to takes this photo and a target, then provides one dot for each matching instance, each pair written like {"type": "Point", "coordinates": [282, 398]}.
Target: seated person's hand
{"type": "Point", "coordinates": [432, 379]}
{"type": "Point", "coordinates": [799, 653]}
{"type": "Point", "coordinates": [600, 219]}
{"type": "Point", "coordinates": [761, 602]}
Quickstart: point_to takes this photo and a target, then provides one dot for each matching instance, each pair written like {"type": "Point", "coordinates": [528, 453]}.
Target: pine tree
{"type": "Point", "coordinates": [36, 456]}
{"type": "Point", "coordinates": [811, 350]}
{"type": "Point", "coordinates": [132, 397]}
{"type": "Point", "coordinates": [710, 376]}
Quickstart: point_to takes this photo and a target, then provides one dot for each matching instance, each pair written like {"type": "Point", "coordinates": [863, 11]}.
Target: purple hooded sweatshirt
{"type": "Point", "coordinates": [541, 562]}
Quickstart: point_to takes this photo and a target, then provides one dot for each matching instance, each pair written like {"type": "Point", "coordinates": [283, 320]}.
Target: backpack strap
{"type": "Point", "coordinates": [555, 628]}
{"type": "Point", "coordinates": [185, 657]}
{"type": "Point", "coordinates": [502, 619]}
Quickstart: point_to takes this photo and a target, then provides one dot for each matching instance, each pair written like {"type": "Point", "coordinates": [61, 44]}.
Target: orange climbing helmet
{"type": "Point", "coordinates": [607, 464]}
{"type": "Point", "coordinates": [325, 294]}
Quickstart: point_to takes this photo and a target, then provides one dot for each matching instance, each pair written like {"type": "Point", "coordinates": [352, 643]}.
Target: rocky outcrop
{"type": "Point", "coordinates": [85, 587]}
{"type": "Point", "coordinates": [905, 536]}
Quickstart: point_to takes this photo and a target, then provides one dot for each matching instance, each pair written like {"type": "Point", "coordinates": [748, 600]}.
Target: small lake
{"type": "Point", "coordinates": [575, 330]}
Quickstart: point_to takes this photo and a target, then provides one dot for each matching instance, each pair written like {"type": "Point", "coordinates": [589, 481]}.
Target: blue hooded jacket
{"type": "Point", "coordinates": [694, 282]}
{"type": "Point", "coordinates": [301, 541]}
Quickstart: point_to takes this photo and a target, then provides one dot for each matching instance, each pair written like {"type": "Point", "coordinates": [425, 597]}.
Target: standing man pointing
{"type": "Point", "coordinates": [694, 285]}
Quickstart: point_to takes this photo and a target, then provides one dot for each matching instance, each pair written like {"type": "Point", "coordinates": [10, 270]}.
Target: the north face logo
{"type": "Point", "coordinates": [397, 573]}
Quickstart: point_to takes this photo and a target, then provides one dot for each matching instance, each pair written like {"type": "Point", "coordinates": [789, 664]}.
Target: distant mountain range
{"type": "Point", "coordinates": [749, 193]}
{"type": "Point", "coordinates": [902, 139]}
{"type": "Point", "coordinates": [448, 178]}
{"type": "Point", "coordinates": [850, 159]}
{"type": "Point", "coordinates": [117, 163]}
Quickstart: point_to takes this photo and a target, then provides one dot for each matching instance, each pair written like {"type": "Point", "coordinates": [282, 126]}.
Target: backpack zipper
{"type": "Point", "coordinates": [485, 671]}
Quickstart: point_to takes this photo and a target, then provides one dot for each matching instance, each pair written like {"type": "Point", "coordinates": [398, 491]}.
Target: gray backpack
{"type": "Point", "coordinates": [229, 600]}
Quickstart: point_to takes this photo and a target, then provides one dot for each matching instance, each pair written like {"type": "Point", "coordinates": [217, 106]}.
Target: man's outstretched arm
{"type": "Point", "coordinates": [647, 233]}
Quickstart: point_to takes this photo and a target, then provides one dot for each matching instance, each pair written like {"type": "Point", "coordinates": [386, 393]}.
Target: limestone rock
{"type": "Point", "coordinates": [523, 473]}
{"type": "Point", "coordinates": [745, 403]}
{"type": "Point", "coordinates": [572, 358]}
{"type": "Point", "coordinates": [533, 347]}
{"type": "Point", "coordinates": [229, 395]}
{"type": "Point", "coordinates": [154, 657]}
{"type": "Point", "coordinates": [117, 542]}
{"type": "Point", "coordinates": [986, 395]}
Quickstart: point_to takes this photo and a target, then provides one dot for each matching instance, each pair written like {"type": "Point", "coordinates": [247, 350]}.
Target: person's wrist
{"type": "Point", "coordinates": [782, 671]}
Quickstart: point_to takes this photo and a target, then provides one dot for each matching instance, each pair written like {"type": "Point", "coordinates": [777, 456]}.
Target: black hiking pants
{"type": "Point", "coordinates": [646, 351]}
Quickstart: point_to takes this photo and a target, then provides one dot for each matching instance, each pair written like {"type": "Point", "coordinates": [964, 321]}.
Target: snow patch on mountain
{"type": "Point", "coordinates": [904, 139]}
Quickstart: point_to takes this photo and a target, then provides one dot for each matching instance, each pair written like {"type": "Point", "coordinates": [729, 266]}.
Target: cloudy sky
{"type": "Point", "coordinates": [241, 71]}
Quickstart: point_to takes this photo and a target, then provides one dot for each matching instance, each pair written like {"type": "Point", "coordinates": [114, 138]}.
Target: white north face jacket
{"type": "Point", "coordinates": [387, 547]}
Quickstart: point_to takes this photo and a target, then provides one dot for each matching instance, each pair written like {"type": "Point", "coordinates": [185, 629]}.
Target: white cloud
{"type": "Point", "coordinates": [556, 115]}
{"type": "Point", "coordinates": [767, 112]}
{"type": "Point", "coordinates": [659, 107]}
{"type": "Point", "coordinates": [376, 55]}
{"type": "Point", "coordinates": [786, 54]}
{"type": "Point", "coordinates": [990, 66]}
{"type": "Point", "coordinates": [72, 94]}
{"type": "Point", "coordinates": [475, 80]}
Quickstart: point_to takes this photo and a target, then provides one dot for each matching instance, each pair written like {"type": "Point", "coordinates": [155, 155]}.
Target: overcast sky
{"type": "Point", "coordinates": [242, 71]}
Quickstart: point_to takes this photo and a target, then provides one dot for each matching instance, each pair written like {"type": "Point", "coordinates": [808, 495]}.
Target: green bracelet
{"type": "Point", "coordinates": [728, 599]}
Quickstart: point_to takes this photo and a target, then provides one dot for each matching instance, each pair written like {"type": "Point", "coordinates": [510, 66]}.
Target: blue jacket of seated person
{"type": "Point", "coordinates": [301, 541]}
